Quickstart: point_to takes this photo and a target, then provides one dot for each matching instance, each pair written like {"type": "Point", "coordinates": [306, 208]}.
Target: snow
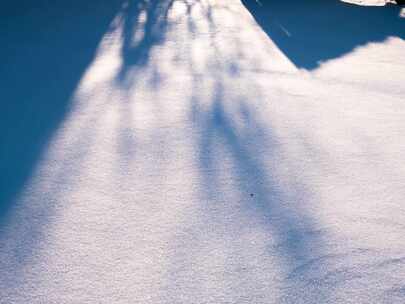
{"type": "Point", "coordinates": [202, 152]}
{"type": "Point", "coordinates": [368, 2]}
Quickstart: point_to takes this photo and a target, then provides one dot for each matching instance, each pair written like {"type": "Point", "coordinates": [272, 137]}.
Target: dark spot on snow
{"type": "Point", "coordinates": [233, 69]}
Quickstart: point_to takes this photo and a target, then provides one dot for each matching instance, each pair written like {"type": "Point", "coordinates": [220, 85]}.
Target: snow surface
{"type": "Point", "coordinates": [202, 151]}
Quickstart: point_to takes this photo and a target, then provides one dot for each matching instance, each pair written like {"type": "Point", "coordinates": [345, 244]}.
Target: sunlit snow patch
{"type": "Point", "coordinates": [367, 2]}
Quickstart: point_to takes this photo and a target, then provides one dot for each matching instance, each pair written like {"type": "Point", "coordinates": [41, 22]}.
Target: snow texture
{"type": "Point", "coordinates": [202, 151]}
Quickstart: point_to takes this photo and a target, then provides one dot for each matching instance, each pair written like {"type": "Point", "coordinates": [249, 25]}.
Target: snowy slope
{"type": "Point", "coordinates": [202, 152]}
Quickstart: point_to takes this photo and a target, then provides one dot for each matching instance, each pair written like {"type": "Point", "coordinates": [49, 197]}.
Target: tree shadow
{"type": "Point", "coordinates": [235, 149]}
{"type": "Point", "coordinates": [46, 48]}
{"type": "Point", "coordinates": [296, 239]}
{"type": "Point", "coordinates": [145, 25]}
{"type": "Point", "coordinates": [315, 31]}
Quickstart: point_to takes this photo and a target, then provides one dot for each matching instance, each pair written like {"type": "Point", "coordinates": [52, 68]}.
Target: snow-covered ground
{"type": "Point", "coordinates": [202, 151]}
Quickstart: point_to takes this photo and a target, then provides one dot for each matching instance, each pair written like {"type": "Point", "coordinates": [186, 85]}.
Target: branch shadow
{"type": "Point", "coordinates": [296, 238]}
{"type": "Point", "coordinates": [145, 25]}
